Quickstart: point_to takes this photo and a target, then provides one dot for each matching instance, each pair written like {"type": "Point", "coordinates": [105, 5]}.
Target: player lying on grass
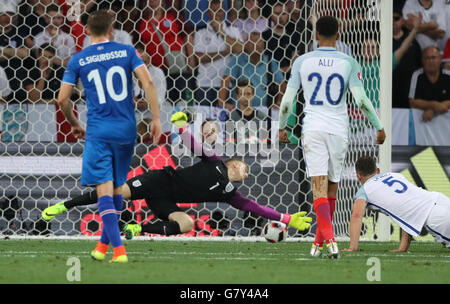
{"type": "Point", "coordinates": [409, 206]}
{"type": "Point", "coordinates": [207, 181]}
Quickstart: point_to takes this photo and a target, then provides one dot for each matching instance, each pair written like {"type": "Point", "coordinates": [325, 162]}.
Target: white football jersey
{"type": "Point", "coordinates": [325, 75]}
{"type": "Point", "coordinates": [392, 194]}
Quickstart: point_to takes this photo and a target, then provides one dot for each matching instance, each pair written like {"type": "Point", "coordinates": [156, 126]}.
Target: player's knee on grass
{"type": "Point", "coordinates": [185, 221]}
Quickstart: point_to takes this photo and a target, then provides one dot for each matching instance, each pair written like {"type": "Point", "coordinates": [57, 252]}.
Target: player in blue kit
{"type": "Point", "coordinates": [105, 70]}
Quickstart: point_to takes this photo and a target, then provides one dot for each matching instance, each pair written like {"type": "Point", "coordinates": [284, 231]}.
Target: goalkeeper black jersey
{"type": "Point", "coordinates": [202, 182]}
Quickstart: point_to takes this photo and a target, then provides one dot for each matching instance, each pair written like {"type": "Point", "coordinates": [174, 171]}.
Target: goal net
{"type": "Point", "coordinates": [204, 56]}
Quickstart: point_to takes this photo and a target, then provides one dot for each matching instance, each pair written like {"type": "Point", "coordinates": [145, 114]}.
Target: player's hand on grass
{"type": "Point", "coordinates": [155, 130]}
{"type": "Point", "coordinates": [283, 136]}
{"type": "Point", "coordinates": [299, 221]}
{"type": "Point", "coordinates": [381, 136]}
{"type": "Point", "coordinates": [78, 132]}
{"type": "Point", "coordinates": [398, 250]}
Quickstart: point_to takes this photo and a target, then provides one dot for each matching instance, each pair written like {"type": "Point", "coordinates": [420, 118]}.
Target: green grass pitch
{"type": "Point", "coordinates": [218, 262]}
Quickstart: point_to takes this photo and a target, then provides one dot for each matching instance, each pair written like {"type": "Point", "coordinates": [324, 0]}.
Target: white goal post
{"type": "Point", "coordinates": [385, 101]}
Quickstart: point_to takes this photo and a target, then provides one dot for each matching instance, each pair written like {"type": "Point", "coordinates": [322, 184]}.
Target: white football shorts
{"type": "Point", "coordinates": [324, 154]}
{"type": "Point", "coordinates": [438, 223]}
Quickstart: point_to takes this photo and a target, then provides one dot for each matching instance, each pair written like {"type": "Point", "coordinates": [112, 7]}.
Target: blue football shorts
{"type": "Point", "coordinates": [104, 162]}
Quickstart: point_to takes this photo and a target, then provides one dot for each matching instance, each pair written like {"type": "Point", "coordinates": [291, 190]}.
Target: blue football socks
{"type": "Point", "coordinates": [109, 217]}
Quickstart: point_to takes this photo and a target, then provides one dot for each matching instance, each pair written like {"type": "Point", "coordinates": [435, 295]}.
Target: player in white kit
{"type": "Point", "coordinates": [407, 205]}
{"type": "Point", "coordinates": [326, 75]}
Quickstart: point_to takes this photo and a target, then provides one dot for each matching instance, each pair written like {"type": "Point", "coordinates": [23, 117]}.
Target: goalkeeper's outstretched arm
{"type": "Point", "coordinates": [297, 220]}
{"type": "Point", "coordinates": [363, 102]}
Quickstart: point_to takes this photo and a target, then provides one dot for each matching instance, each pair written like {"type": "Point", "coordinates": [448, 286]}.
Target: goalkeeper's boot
{"type": "Point", "coordinates": [99, 252]}
{"type": "Point", "coordinates": [131, 230]}
{"type": "Point", "coordinates": [333, 251]}
{"type": "Point", "coordinates": [316, 251]}
{"type": "Point", "coordinates": [52, 211]}
{"type": "Point", "coordinates": [120, 255]}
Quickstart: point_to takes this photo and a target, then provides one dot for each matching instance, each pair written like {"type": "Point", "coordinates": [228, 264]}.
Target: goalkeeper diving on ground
{"type": "Point", "coordinates": [210, 180]}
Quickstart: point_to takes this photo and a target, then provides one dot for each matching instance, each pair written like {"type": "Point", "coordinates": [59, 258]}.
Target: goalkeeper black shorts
{"type": "Point", "coordinates": [155, 187]}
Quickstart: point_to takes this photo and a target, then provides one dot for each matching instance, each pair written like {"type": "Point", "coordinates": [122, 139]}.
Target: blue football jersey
{"type": "Point", "coordinates": [105, 70]}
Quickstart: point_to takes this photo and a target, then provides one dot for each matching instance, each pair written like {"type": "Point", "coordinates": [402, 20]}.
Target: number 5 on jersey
{"type": "Point", "coordinates": [390, 182]}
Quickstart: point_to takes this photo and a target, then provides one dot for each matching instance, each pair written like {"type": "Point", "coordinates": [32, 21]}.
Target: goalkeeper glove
{"type": "Point", "coordinates": [180, 119]}
{"type": "Point", "coordinates": [299, 221]}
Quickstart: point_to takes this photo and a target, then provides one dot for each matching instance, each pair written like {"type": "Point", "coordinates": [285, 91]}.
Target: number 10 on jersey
{"type": "Point", "coordinates": [95, 75]}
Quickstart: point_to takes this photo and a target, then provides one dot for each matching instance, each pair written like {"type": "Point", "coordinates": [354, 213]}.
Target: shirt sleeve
{"type": "Point", "coordinates": [71, 72]}
{"type": "Point", "coordinates": [71, 46]}
{"type": "Point", "coordinates": [241, 202]}
{"type": "Point", "coordinates": [86, 41]}
{"type": "Point", "coordinates": [38, 40]}
{"type": "Point", "coordinates": [413, 84]}
{"type": "Point", "coordinates": [408, 8]}
{"type": "Point", "coordinates": [126, 38]}
{"type": "Point", "coordinates": [286, 106]}
{"type": "Point", "coordinates": [236, 33]}
{"type": "Point", "coordinates": [441, 17]}
{"type": "Point", "coordinates": [4, 84]}
{"type": "Point", "coordinates": [198, 42]}
{"type": "Point", "coordinates": [136, 59]}
{"type": "Point", "coordinates": [295, 80]}
{"type": "Point", "coordinates": [278, 75]}
{"type": "Point", "coordinates": [355, 75]}
{"type": "Point", "coordinates": [361, 194]}
{"type": "Point", "coordinates": [197, 148]}
{"type": "Point", "coordinates": [232, 67]}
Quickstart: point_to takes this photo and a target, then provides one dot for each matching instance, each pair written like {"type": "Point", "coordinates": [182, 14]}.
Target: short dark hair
{"type": "Point", "coordinates": [139, 46]}
{"type": "Point", "coordinates": [143, 126]}
{"type": "Point", "coordinates": [99, 22]}
{"type": "Point", "coordinates": [53, 8]}
{"type": "Point", "coordinates": [215, 2]}
{"type": "Point", "coordinates": [327, 26]}
{"type": "Point", "coordinates": [47, 47]}
{"type": "Point", "coordinates": [208, 120]}
{"type": "Point", "coordinates": [366, 165]}
{"type": "Point", "coordinates": [245, 83]}
{"type": "Point", "coordinates": [431, 47]}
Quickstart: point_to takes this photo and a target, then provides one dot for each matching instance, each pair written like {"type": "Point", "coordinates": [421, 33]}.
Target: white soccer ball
{"type": "Point", "coordinates": [275, 232]}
